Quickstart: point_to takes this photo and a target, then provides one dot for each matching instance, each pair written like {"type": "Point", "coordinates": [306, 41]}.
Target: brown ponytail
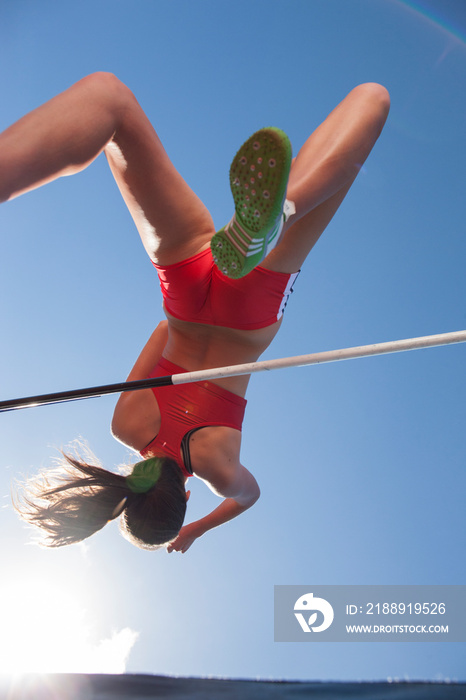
{"type": "Point", "coordinates": [76, 500]}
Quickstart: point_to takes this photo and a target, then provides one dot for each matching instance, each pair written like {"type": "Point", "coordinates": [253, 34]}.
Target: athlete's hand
{"type": "Point", "coordinates": [186, 536]}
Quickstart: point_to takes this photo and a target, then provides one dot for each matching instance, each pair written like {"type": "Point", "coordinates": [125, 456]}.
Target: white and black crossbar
{"type": "Point", "coordinates": [317, 358]}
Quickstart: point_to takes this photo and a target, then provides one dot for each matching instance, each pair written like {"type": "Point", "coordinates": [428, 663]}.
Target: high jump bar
{"type": "Point", "coordinates": [317, 358]}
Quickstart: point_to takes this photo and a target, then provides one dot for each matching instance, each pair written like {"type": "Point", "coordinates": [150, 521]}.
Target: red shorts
{"type": "Point", "coordinates": [195, 290]}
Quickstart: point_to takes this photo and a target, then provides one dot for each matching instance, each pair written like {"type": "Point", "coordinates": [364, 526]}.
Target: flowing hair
{"type": "Point", "coordinates": [75, 500]}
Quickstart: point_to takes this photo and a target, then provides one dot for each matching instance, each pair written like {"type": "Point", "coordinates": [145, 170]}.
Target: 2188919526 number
{"type": "Point", "coordinates": [405, 608]}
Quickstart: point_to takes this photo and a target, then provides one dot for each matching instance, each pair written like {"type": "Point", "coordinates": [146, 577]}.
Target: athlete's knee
{"type": "Point", "coordinates": [103, 81]}
{"type": "Point", "coordinates": [377, 97]}
{"type": "Point", "coordinates": [109, 90]}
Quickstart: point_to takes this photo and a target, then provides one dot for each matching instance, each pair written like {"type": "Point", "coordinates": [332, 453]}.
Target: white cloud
{"type": "Point", "coordinates": [111, 655]}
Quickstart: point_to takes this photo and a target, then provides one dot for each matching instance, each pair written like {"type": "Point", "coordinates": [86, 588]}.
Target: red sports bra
{"type": "Point", "coordinates": [184, 408]}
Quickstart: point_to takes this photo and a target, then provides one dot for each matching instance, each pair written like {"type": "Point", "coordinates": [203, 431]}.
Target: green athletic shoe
{"type": "Point", "coordinates": [258, 180]}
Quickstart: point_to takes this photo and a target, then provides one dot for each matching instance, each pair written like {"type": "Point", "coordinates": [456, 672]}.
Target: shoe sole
{"type": "Point", "coordinates": [258, 180]}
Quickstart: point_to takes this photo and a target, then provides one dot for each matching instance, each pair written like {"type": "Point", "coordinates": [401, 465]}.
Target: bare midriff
{"type": "Point", "coordinates": [196, 346]}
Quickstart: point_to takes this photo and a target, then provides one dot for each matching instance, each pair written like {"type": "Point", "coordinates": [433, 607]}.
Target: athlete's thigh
{"type": "Point", "coordinates": [300, 237]}
{"type": "Point", "coordinates": [172, 221]}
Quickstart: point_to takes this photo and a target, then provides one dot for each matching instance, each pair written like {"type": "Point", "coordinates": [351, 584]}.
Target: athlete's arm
{"type": "Point", "coordinates": [244, 491]}
{"type": "Point", "coordinates": [126, 422]}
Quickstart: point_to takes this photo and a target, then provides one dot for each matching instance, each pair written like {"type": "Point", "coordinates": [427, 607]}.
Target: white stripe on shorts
{"type": "Point", "coordinates": [286, 294]}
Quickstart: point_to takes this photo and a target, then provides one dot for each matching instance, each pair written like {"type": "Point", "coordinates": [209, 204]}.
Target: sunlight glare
{"type": "Point", "coordinates": [46, 629]}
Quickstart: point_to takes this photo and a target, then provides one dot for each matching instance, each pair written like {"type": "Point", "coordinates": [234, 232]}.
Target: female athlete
{"type": "Point", "coordinates": [224, 295]}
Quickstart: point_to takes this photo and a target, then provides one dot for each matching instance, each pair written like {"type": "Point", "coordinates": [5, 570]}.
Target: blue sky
{"type": "Point", "coordinates": [361, 463]}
